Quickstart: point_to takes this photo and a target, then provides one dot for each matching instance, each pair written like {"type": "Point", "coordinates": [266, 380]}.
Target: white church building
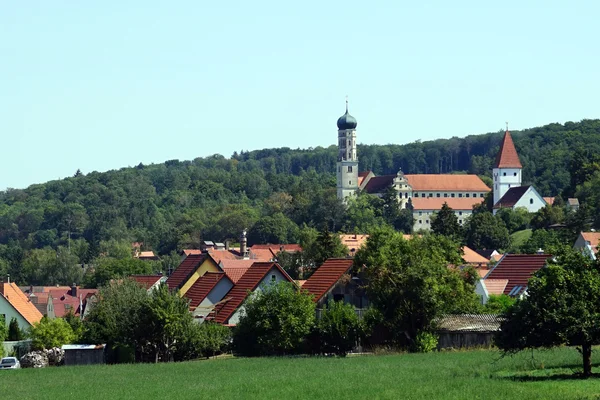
{"type": "Point", "coordinates": [426, 193]}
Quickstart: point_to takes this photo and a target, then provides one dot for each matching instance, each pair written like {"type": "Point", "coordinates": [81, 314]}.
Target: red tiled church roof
{"type": "Point", "coordinates": [185, 270]}
{"type": "Point", "coordinates": [431, 182]}
{"type": "Point", "coordinates": [517, 268]}
{"type": "Point", "coordinates": [202, 287]}
{"type": "Point", "coordinates": [248, 283]}
{"type": "Point", "coordinates": [507, 156]}
{"type": "Point", "coordinates": [326, 276]}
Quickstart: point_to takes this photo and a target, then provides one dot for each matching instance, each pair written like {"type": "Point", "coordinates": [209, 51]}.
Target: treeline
{"type": "Point", "coordinates": [273, 193]}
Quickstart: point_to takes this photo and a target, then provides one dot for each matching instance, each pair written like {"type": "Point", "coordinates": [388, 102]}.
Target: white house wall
{"type": "Point", "coordinates": [531, 200]}
{"type": "Point", "coordinates": [10, 312]}
{"type": "Point", "coordinates": [214, 296]}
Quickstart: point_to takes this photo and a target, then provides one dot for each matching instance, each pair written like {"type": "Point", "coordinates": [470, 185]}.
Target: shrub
{"type": "Point", "coordinates": [276, 321]}
{"type": "Point", "coordinates": [202, 340]}
{"type": "Point", "coordinates": [425, 342]}
{"type": "Point", "coordinates": [338, 328]}
{"type": "Point", "coordinates": [50, 333]}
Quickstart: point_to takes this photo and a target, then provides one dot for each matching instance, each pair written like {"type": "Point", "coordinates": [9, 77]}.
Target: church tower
{"type": "Point", "coordinates": [507, 169]}
{"type": "Point", "coordinates": [347, 165]}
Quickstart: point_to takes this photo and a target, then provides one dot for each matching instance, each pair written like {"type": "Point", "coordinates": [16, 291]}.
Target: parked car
{"type": "Point", "coordinates": [10, 363]}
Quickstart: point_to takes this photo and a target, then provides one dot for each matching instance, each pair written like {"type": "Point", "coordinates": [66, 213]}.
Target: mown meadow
{"type": "Point", "coordinates": [480, 374]}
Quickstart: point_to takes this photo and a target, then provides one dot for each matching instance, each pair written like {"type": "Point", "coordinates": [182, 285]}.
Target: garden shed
{"type": "Point", "coordinates": [467, 330]}
{"type": "Point", "coordinates": [84, 354]}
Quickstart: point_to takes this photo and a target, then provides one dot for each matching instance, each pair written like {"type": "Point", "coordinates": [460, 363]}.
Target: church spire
{"type": "Point", "coordinates": [507, 156]}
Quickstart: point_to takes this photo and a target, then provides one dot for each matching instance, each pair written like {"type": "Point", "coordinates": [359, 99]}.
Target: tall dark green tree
{"type": "Point", "coordinates": [445, 222]}
{"type": "Point", "coordinates": [484, 231]}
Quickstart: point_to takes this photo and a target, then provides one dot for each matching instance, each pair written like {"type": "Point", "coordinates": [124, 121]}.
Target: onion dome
{"type": "Point", "coordinates": [346, 121]}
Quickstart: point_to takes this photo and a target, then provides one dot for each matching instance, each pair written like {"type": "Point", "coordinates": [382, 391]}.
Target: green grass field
{"type": "Point", "coordinates": [448, 375]}
{"type": "Point", "coordinates": [520, 237]}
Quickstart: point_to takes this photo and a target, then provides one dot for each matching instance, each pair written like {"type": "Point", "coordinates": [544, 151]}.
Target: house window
{"type": "Point", "coordinates": [460, 195]}
{"type": "Point", "coordinates": [466, 194]}
{"type": "Point", "coordinates": [420, 213]}
{"type": "Point", "coordinates": [430, 194]}
{"type": "Point", "coordinates": [438, 195]}
{"type": "Point", "coordinates": [530, 201]}
{"type": "Point", "coordinates": [350, 168]}
{"type": "Point", "coordinates": [273, 278]}
{"type": "Point", "coordinates": [474, 195]}
{"type": "Point", "coordinates": [452, 195]}
{"type": "Point", "coordinates": [426, 221]}
{"type": "Point", "coordinates": [350, 183]}
{"type": "Point", "coordinates": [515, 174]}
{"type": "Point", "coordinates": [460, 221]}
{"type": "Point", "coordinates": [481, 195]}
{"type": "Point", "coordinates": [420, 221]}
{"type": "Point", "coordinates": [460, 213]}
{"type": "Point", "coordinates": [339, 169]}
{"type": "Point", "coordinates": [504, 174]}
{"type": "Point", "coordinates": [445, 194]}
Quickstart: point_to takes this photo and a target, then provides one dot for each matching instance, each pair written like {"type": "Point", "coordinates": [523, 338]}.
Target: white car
{"type": "Point", "coordinates": [10, 363]}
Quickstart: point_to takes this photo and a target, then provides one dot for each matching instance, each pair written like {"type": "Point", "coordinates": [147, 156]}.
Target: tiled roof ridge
{"type": "Point", "coordinates": [507, 156]}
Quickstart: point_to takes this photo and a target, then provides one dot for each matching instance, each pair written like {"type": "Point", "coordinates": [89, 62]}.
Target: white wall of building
{"type": "Point", "coordinates": [216, 295]}
{"type": "Point", "coordinates": [531, 200]}
{"type": "Point", "coordinates": [423, 218]}
{"type": "Point", "coordinates": [428, 194]}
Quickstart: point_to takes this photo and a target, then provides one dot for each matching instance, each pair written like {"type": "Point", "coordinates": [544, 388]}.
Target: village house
{"type": "Point", "coordinates": [229, 310]}
{"type": "Point", "coordinates": [510, 275]}
{"type": "Point", "coordinates": [207, 292]}
{"type": "Point", "coordinates": [334, 280]}
{"type": "Point", "coordinates": [58, 301]}
{"type": "Point", "coordinates": [587, 243]}
{"type": "Point", "coordinates": [15, 304]}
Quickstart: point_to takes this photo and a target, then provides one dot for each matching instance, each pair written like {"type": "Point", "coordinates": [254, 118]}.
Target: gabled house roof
{"type": "Point", "coordinates": [146, 281]}
{"type": "Point", "coordinates": [507, 156]}
{"type": "Point", "coordinates": [187, 252]}
{"type": "Point", "coordinates": [517, 269]}
{"type": "Point", "coordinates": [326, 276]}
{"type": "Point", "coordinates": [247, 283]}
{"type": "Point", "coordinates": [353, 242]}
{"type": "Point", "coordinates": [185, 270]}
{"type": "Point", "coordinates": [202, 287]}
{"type": "Point", "coordinates": [512, 196]}
{"type": "Point", "coordinates": [455, 203]}
{"type": "Point", "coordinates": [20, 302]}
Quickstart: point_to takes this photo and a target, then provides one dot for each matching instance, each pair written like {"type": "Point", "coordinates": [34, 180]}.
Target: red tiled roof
{"type": "Point", "coordinates": [507, 156]}
{"type": "Point", "coordinates": [517, 268]}
{"type": "Point", "coordinates": [482, 272]}
{"type": "Point", "coordinates": [261, 255]}
{"type": "Point", "coordinates": [326, 276]}
{"type": "Point", "coordinates": [248, 283]}
{"type": "Point", "coordinates": [188, 252]}
{"type": "Point", "coordinates": [353, 242]}
{"type": "Point", "coordinates": [436, 203]}
{"type": "Point", "coordinates": [202, 287]}
{"type": "Point", "coordinates": [592, 237]}
{"type": "Point", "coordinates": [146, 281]}
{"type": "Point", "coordinates": [446, 183]}
{"type": "Point", "coordinates": [218, 255]}
{"type": "Point", "coordinates": [512, 196]}
{"type": "Point", "coordinates": [235, 269]}
{"type": "Point", "coordinates": [378, 184]}
{"type": "Point", "coordinates": [21, 302]}
{"type": "Point", "coordinates": [185, 270]}
{"type": "Point", "coordinates": [549, 200]}
{"type": "Point", "coordinates": [472, 257]}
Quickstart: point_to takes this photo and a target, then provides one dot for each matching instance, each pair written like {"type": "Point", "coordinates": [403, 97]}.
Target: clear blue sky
{"type": "Point", "coordinates": [111, 84]}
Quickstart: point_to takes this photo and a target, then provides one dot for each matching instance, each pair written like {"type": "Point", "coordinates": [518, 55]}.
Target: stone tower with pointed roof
{"type": "Point", "coordinates": [347, 164]}
{"type": "Point", "coordinates": [507, 169]}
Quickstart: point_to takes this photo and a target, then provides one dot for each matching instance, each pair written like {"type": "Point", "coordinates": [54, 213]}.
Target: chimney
{"type": "Point", "coordinates": [243, 244]}
{"type": "Point", "coordinates": [74, 290]}
{"type": "Point", "coordinates": [227, 244]}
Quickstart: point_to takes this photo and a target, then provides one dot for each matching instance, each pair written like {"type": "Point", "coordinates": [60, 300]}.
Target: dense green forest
{"type": "Point", "coordinates": [275, 193]}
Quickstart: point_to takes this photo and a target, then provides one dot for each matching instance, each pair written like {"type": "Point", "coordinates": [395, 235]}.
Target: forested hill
{"type": "Point", "coordinates": [172, 205]}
